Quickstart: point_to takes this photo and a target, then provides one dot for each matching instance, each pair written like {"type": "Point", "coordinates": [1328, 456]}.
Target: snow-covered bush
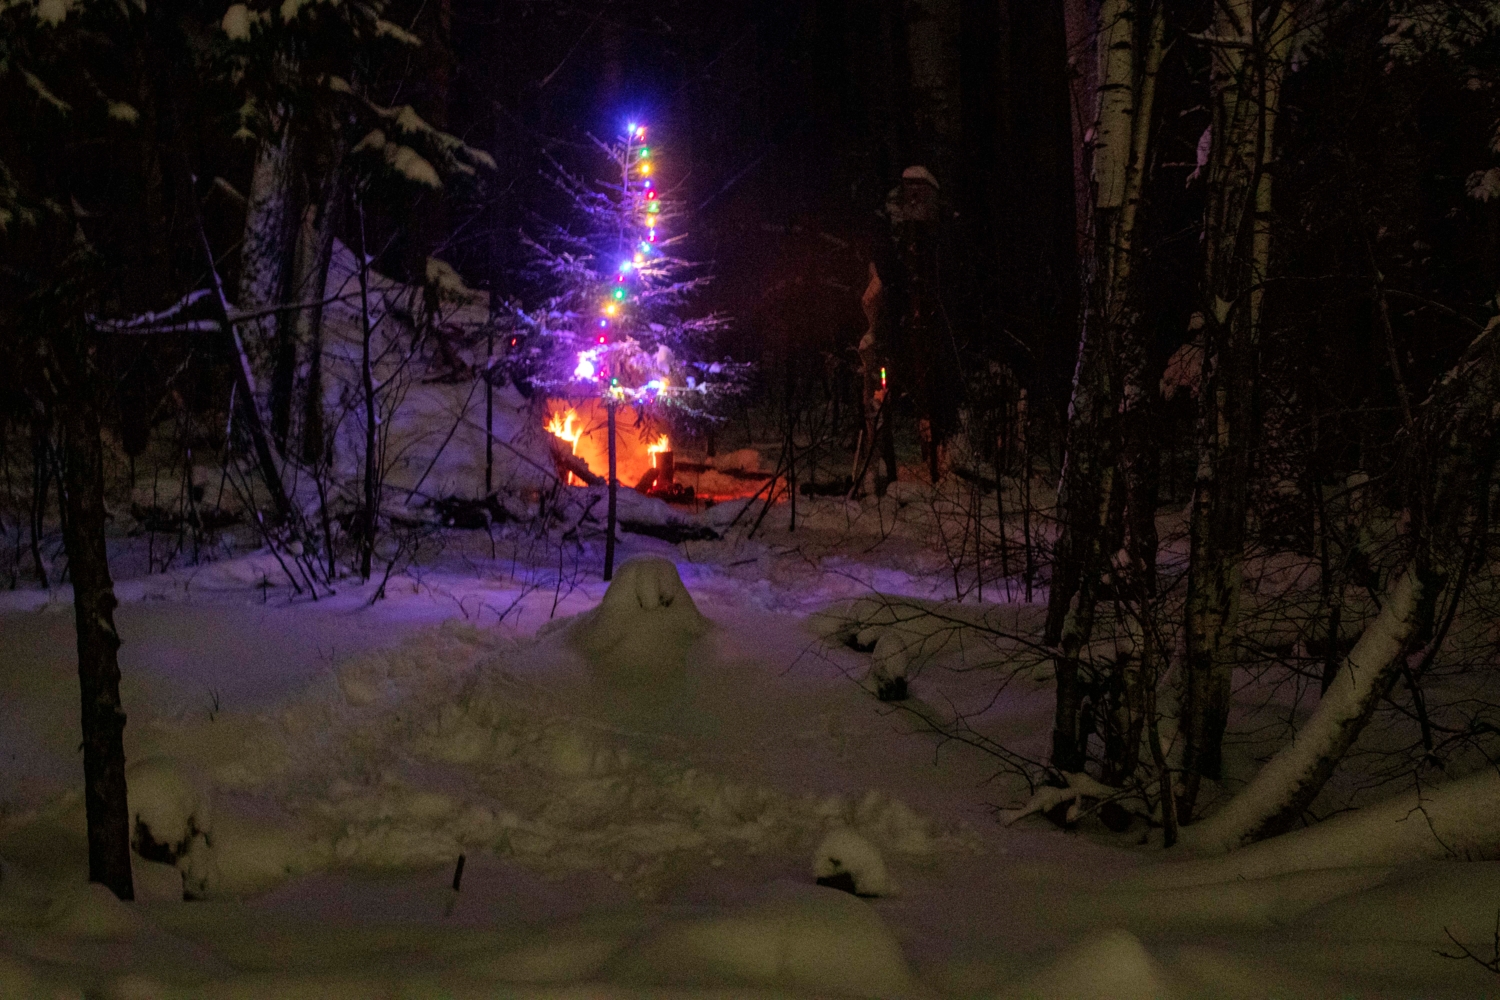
{"type": "Point", "coordinates": [845, 860]}
{"type": "Point", "coordinates": [171, 821]}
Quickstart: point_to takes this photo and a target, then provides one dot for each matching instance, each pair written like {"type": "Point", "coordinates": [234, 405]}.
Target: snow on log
{"type": "Point", "coordinates": [1280, 791]}
{"type": "Point", "coordinates": [1459, 820]}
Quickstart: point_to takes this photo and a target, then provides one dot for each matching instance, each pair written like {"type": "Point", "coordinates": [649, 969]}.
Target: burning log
{"type": "Point", "coordinates": [660, 480]}
{"type": "Point", "coordinates": [662, 462]}
{"type": "Point", "coordinates": [570, 466]}
{"type": "Point", "coordinates": [565, 431]}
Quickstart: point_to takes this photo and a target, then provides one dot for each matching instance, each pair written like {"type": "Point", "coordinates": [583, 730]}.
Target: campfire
{"type": "Point", "coordinates": [564, 427]}
{"type": "Point", "coordinates": [580, 449]}
{"type": "Point", "coordinates": [661, 461]}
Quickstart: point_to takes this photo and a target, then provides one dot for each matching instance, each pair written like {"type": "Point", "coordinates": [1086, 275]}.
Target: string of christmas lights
{"type": "Point", "coordinates": [617, 326]}
{"type": "Point", "coordinates": [601, 364]}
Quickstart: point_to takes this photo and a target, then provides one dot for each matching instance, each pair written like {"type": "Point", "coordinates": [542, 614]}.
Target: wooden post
{"type": "Point", "coordinates": [609, 535]}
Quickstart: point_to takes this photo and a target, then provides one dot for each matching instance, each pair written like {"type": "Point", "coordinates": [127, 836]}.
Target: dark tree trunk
{"type": "Point", "coordinates": [367, 386]}
{"type": "Point", "coordinates": [94, 602]}
{"type": "Point", "coordinates": [40, 476]}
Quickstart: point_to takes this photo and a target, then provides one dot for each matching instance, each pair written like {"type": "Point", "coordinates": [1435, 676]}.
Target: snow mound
{"type": "Point", "coordinates": [91, 911]}
{"type": "Point", "coordinates": [17, 980]}
{"type": "Point", "coordinates": [890, 660]}
{"type": "Point", "coordinates": [905, 634]}
{"type": "Point", "coordinates": [464, 741]}
{"type": "Point", "coordinates": [1110, 964]}
{"type": "Point", "coordinates": [797, 938]}
{"type": "Point", "coordinates": [171, 821]}
{"type": "Point", "coordinates": [644, 628]}
{"type": "Point", "coordinates": [456, 747]}
{"type": "Point", "coordinates": [845, 860]}
{"type": "Point", "coordinates": [154, 882]}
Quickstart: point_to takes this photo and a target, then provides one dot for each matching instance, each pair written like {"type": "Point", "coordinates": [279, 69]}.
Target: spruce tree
{"type": "Point", "coordinates": [614, 321]}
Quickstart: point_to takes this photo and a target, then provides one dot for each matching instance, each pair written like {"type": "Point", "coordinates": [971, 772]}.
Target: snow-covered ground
{"type": "Point", "coordinates": [642, 787]}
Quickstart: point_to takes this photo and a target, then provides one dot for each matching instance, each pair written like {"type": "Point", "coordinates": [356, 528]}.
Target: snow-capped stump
{"type": "Point", "coordinates": [1065, 805]}
{"type": "Point", "coordinates": [845, 860]}
{"type": "Point", "coordinates": [171, 821]}
{"type": "Point", "coordinates": [644, 627]}
{"type": "Point", "coordinates": [890, 664]}
{"type": "Point", "coordinates": [903, 635]}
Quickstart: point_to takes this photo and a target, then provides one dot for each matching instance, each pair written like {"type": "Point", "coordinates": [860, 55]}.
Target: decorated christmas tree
{"type": "Point", "coordinates": [614, 332]}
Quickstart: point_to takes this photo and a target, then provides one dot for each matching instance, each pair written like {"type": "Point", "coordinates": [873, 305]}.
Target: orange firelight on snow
{"type": "Point", "coordinates": [662, 444]}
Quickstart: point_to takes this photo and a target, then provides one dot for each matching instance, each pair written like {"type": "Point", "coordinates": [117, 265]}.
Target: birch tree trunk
{"type": "Point", "coordinates": [1451, 483]}
{"type": "Point", "coordinates": [1125, 103]}
{"type": "Point", "coordinates": [266, 251]}
{"type": "Point", "coordinates": [1249, 56]}
{"type": "Point", "coordinates": [266, 457]}
{"type": "Point", "coordinates": [304, 327]}
{"type": "Point", "coordinates": [1081, 23]}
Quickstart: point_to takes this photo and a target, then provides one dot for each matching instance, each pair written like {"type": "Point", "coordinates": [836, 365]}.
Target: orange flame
{"type": "Point", "coordinates": [662, 444]}
{"type": "Point", "coordinates": [566, 429]}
